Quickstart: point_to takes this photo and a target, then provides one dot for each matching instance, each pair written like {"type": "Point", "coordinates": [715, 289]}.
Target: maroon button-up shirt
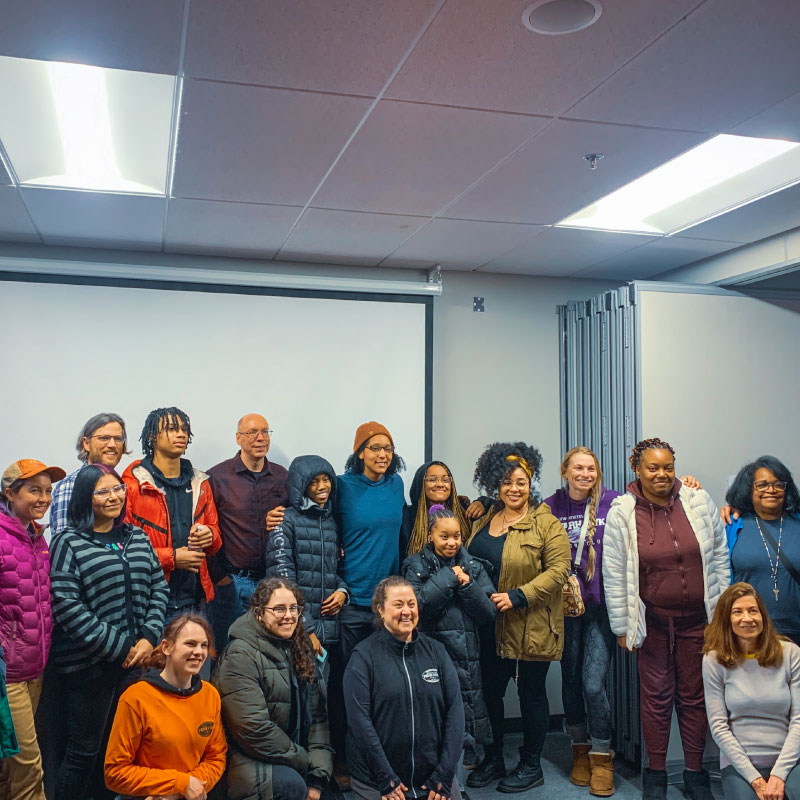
{"type": "Point", "coordinates": [243, 499]}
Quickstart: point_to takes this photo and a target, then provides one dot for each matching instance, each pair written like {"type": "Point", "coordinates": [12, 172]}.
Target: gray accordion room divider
{"type": "Point", "coordinates": [600, 409]}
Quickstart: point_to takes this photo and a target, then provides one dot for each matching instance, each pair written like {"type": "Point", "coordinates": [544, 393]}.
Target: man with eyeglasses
{"type": "Point", "coordinates": [102, 440]}
{"type": "Point", "coordinates": [246, 487]}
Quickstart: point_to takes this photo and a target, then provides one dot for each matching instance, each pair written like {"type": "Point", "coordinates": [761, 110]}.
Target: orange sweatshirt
{"type": "Point", "coordinates": [162, 735]}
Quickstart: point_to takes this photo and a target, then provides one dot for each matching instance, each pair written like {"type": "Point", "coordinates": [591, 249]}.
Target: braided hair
{"type": "Point", "coordinates": [647, 444]}
{"type": "Point", "coordinates": [419, 533]}
{"type": "Point", "coordinates": [594, 502]}
{"type": "Point", "coordinates": [156, 421]}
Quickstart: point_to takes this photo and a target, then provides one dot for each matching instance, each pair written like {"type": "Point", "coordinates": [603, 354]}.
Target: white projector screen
{"type": "Point", "coordinates": [315, 366]}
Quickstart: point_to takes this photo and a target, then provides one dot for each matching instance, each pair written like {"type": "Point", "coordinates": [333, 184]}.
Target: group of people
{"type": "Point", "coordinates": [363, 642]}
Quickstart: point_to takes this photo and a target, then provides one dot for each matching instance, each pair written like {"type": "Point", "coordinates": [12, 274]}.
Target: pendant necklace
{"type": "Point", "coordinates": [773, 567]}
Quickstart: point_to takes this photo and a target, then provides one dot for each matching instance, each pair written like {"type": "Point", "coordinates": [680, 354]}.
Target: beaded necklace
{"type": "Point", "coordinates": [773, 567]}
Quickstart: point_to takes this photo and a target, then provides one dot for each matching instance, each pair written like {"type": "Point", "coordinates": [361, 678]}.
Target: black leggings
{"type": "Point", "coordinates": [531, 687]}
{"type": "Point", "coordinates": [588, 644]}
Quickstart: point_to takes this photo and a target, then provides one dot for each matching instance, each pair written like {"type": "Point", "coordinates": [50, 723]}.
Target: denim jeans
{"type": "Point", "coordinates": [230, 601]}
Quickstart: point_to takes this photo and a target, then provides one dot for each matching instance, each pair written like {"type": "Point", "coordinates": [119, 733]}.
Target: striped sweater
{"type": "Point", "coordinates": [105, 598]}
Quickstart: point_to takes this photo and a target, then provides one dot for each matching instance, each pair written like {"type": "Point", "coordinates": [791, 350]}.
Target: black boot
{"type": "Point", "coordinates": [527, 774]}
{"type": "Point", "coordinates": [490, 769]}
{"type": "Point", "coordinates": [697, 785]}
{"type": "Point", "coordinates": [654, 784]}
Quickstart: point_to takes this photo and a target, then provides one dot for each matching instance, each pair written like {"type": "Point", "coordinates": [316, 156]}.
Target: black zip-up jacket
{"type": "Point", "coordinates": [453, 614]}
{"type": "Point", "coordinates": [305, 548]}
{"type": "Point", "coordinates": [404, 713]}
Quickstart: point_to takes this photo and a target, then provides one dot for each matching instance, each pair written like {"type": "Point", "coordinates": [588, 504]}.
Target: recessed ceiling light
{"type": "Point", "coordinates": [557, 17]}
{"type": "Point", "coordinates": [83, 127]}
{"type": "Point", "coordinates": [721, 174]}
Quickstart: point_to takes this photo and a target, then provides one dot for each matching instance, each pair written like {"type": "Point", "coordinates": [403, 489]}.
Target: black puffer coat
{"type": "Point", "coordinates": [306, 547]}
{"type": "Point", "coordinates": [453, 614]}
{"type": "Point", "coordinates": [270, 716]}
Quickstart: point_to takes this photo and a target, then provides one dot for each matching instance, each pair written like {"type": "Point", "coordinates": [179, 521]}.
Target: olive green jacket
{"type": "Point", "coordinates": [536, 559]}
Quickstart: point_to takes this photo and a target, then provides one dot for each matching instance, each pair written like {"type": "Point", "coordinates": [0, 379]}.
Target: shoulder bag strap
{"type": "Point", "coordinates": [582, 539]}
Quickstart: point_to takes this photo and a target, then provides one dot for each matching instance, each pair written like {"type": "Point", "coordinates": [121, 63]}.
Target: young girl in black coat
{"type": "Point", "coordinates": [453, 590]}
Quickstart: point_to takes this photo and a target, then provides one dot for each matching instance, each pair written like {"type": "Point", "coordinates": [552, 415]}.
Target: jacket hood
{"type": "Point", "coordinates": [136, 471]}
{"type": "Point", "coordinates": [250, 630]}
{"type": "Point", "coordinates": [11, 525]}
{"type": "Point", "coordinates": [153, 677]}
{"type": "Point", "coordinates": [419, 476]}
{"type": "Point", "coordinates": [635, 488]}
{"type": "Point", "coordinates": [302, 471]}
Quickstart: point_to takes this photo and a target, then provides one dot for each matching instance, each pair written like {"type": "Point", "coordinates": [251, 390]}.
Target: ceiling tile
{"type": "Point", "coordinates": [15, 223]}
{"type": "Point", "coordinates": [97, 220]}
{"type": "Point", "coordinates": [144, 36]}
{"type": "Point", "coordinates": [655, 257]}
{"type": "Point", "coordinates": [347, 47]}
{"type": "Point", "coordinates": [725, 62]}
{"type": "Point", "coordinates": [347, 237]}
{"type": "Point", "coordinates": [459, 244]}
{"type": "Point", "coordinates": [259, 145]}
{"type": "Point", "coordinates": [781, 121]}
{"type": "Point", "coordinates": [548, 179]}
{"type": "Point", "coordinates": [773, 214]}
{"type": "Point", "coordinates": [413, 159]}
{"type": "Point", "coordinates": [479, 54]}
{"type": "Point", "coordinates": [563, 251]}
{"type": "Point", "coordinates": [233, 229]}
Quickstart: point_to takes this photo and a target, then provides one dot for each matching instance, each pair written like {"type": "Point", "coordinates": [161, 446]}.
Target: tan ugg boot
{"type": "Point", "coordinates": [581, 772]}
{"type": "Point", "coordinates": [601, 783]}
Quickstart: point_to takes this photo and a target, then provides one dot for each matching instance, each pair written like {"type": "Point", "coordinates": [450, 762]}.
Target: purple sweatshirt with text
{"type": "Point", "coordinates": [570, 513]}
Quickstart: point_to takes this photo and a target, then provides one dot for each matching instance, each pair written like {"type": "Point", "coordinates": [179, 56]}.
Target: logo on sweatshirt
{"type": "Point", "coordinates": [431, 675]}
{"type": "Point", "coordinates": [205, 728]}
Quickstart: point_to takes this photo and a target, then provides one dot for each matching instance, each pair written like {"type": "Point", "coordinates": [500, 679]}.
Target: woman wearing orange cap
{"type": "Point", "coordinates": [26, 622]}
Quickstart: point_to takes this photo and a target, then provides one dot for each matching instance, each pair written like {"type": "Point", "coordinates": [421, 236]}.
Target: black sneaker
{"type": "Point", "coordinates": [490, 769]}
{"type": "Point", "coordinates": [527, 774]}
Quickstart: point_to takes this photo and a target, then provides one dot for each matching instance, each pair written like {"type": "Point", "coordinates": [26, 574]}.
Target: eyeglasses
{"type": "Point", "coordinates": [778, 486]}
{"type": "Point", "coordinates": [118, 490]}
{"type": "Point", "coordinates": [265, 432]}
{"type": "Point", "coordinates": [376, 448]}
{"type": "Point", "coordinates": [104, 439]}
{"type": "Point", "coordinates": [518, 484]}
{"type": "Point", "coordinates": [433, 480]}
{"type": "Point", "coordinates": [282, 611]}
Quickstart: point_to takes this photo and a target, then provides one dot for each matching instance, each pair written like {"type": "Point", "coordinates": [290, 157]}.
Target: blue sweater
{"type": "Point", "coordinates": [369, 514]}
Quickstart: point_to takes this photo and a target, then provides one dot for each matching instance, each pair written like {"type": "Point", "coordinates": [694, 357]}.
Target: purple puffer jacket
{"type": "Point", "coordinates": [26, 623]}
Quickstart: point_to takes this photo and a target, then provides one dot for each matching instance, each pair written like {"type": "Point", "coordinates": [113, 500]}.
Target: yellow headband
{"type": "Point", "coordinates": [521, 462]}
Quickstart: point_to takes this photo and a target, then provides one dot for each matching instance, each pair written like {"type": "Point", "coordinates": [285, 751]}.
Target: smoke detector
{"type": "Point", "coordinates": [557, 17]}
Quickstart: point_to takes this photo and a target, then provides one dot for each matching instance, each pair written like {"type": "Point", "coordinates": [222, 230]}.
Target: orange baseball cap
{"type": "Point", "coordinates": [29, 468]}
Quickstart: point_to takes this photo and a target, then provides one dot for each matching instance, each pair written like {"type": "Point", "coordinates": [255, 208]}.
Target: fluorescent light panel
{"type": "Point", "coordinates": [721, 174]}
{"type": "Point", "coordinates": [82, 127]}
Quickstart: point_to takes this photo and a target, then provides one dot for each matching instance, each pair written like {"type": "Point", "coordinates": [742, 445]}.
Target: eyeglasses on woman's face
{"type": "Point", "coordinates": [118, 490]}
{"type": "Point", "coordinates": [376, 448]}
{"type": "Point", "coordinates": [282, 611]}
{"type": "Point", "coordinates": [766, 486]}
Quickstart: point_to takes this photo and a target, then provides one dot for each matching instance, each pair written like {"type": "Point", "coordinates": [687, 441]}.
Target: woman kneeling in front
{"type": "Point", "coordinates": [404, 711]}
{"type": "Point", "coordinates": [752, 685]}
{"type": "Point", "coordinates": [272, 704]}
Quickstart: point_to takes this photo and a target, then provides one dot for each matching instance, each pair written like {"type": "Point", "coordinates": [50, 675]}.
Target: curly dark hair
{"type": "Point", "coordinates": [356, 465]}
{"type": "Point", "coordinates": [740, 496]}
{"type": "Point", "coordinates": [647, 444]}
{"type": "Point", "coordinates": [494, 466]}
{"type": "Point", "coordinates": [156, 420]}
{"type": "Point", "coordinates": [302, 655]}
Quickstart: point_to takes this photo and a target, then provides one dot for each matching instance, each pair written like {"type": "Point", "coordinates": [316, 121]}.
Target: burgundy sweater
{"type": "Point", "coordinates": [670, 565]}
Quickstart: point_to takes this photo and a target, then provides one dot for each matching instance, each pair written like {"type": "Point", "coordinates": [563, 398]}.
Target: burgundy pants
{"type": "Point", "coordinates": [671, 673]}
